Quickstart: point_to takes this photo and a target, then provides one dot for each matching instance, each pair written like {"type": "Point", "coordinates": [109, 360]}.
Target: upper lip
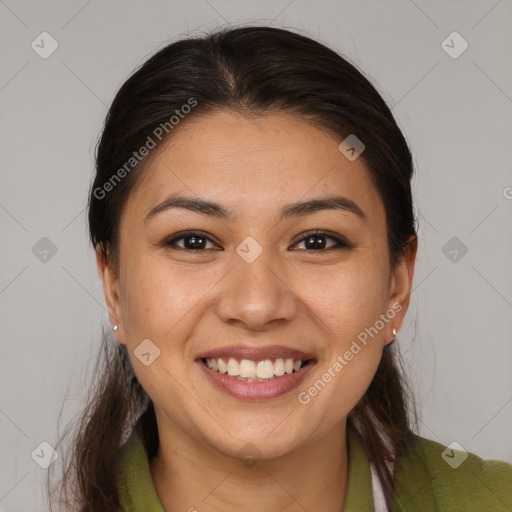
{"type": "Point", "coordinates": [256, 353]}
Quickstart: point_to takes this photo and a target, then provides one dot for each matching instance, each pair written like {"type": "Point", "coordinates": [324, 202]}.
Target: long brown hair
{"type": "Point", "coordinates": [250, 70]}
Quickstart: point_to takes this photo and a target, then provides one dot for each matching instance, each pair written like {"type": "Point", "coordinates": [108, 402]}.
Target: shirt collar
{"type": "Point", "coordinates": [137, 492]}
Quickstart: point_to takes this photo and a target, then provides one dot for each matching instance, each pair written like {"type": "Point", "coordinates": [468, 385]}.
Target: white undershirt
{"type": "Point", "coordinates": [379, 503]}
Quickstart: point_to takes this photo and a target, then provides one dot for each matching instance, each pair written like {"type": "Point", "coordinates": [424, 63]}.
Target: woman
{"type": "Point", "coordinates": [254, 230]}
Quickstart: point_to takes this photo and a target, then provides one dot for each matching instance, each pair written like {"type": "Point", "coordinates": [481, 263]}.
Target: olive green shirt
{"type": "Point", "coordinates": [425, 481]}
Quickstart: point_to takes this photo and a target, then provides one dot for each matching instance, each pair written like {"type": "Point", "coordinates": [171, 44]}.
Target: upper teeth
{"type": "Point", "coordinates": [246, 368]}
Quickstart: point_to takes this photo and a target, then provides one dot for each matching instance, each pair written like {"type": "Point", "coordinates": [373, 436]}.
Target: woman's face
{"type": "Point", "coordinates": [259, 289]}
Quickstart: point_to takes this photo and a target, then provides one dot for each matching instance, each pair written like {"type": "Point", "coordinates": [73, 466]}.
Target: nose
{"type": "Point", "coordinates": [256, 294]}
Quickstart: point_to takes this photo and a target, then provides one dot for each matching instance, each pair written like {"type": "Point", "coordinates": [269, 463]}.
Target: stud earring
{"type": "Point", "coordinates": [394, 331]}
{"type": "Point", "coordinates": [114, 328]}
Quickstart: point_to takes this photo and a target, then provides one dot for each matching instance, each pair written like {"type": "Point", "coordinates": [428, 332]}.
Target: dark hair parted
{"type": "Point", "coordinates": [252, 71]}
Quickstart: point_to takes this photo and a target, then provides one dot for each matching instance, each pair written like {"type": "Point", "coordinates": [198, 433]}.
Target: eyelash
{"type": "Point", "coordinates": [341, 243]}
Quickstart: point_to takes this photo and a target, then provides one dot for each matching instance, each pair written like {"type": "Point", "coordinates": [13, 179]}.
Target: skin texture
{"type": "Point", "coordinates": [188, 302]}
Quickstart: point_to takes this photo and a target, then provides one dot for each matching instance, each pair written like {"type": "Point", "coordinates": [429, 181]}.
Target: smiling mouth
{"type": "Point", "coordinates": [248, 370]}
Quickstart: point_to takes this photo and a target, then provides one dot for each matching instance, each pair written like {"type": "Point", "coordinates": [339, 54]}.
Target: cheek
{"type": "Point", "coordinates": [162, 305]}
{"type": "Point", "coordinates": [348, 304]}
{"type": "Point", "coordinates": [354, 355]}
{"type": "Point", "coordinates": [347, 298]}
{"type": "Point", "coordinates": [338, 388]}
{"type": "Point", "coordinates": [156, 298]}
{"type": "Point", "coordinates": [165, 304]}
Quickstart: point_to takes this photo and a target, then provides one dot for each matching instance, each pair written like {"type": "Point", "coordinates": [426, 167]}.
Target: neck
{"type": "Point", "coordinates": [191, 477]}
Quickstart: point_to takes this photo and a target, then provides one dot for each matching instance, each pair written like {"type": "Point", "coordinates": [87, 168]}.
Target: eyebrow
{"type": "Point", "coordinates": [299, 209]}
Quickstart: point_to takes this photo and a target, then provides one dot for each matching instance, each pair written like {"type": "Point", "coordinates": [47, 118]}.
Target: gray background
{"type": "Point", "coordinates": [455, 114]}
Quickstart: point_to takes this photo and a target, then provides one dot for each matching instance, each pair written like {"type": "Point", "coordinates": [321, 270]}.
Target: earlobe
{"type": "Point", "coordinates": [393, 339]}
{"type": "Point", "coordinates": [109, 282]}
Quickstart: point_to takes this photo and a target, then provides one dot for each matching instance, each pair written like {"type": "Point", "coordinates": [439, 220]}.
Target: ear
{"type": "Point", "coordinates": [400, 287]}
{"type": "Point", "coordinates": [110, 282]}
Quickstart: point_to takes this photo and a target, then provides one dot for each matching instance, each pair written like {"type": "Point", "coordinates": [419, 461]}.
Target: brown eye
{"type": "Point", "coordinates": [192, 241]}
{"type": "Point", "coordinates": [316, 241]}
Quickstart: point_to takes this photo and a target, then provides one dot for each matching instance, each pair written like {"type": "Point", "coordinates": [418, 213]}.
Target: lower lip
{"type": "Point", "coordinates": [256, 390]}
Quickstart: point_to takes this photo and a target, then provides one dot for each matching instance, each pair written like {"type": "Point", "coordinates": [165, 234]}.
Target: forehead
{"type": "Point", "coordinates": [253, 165]}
